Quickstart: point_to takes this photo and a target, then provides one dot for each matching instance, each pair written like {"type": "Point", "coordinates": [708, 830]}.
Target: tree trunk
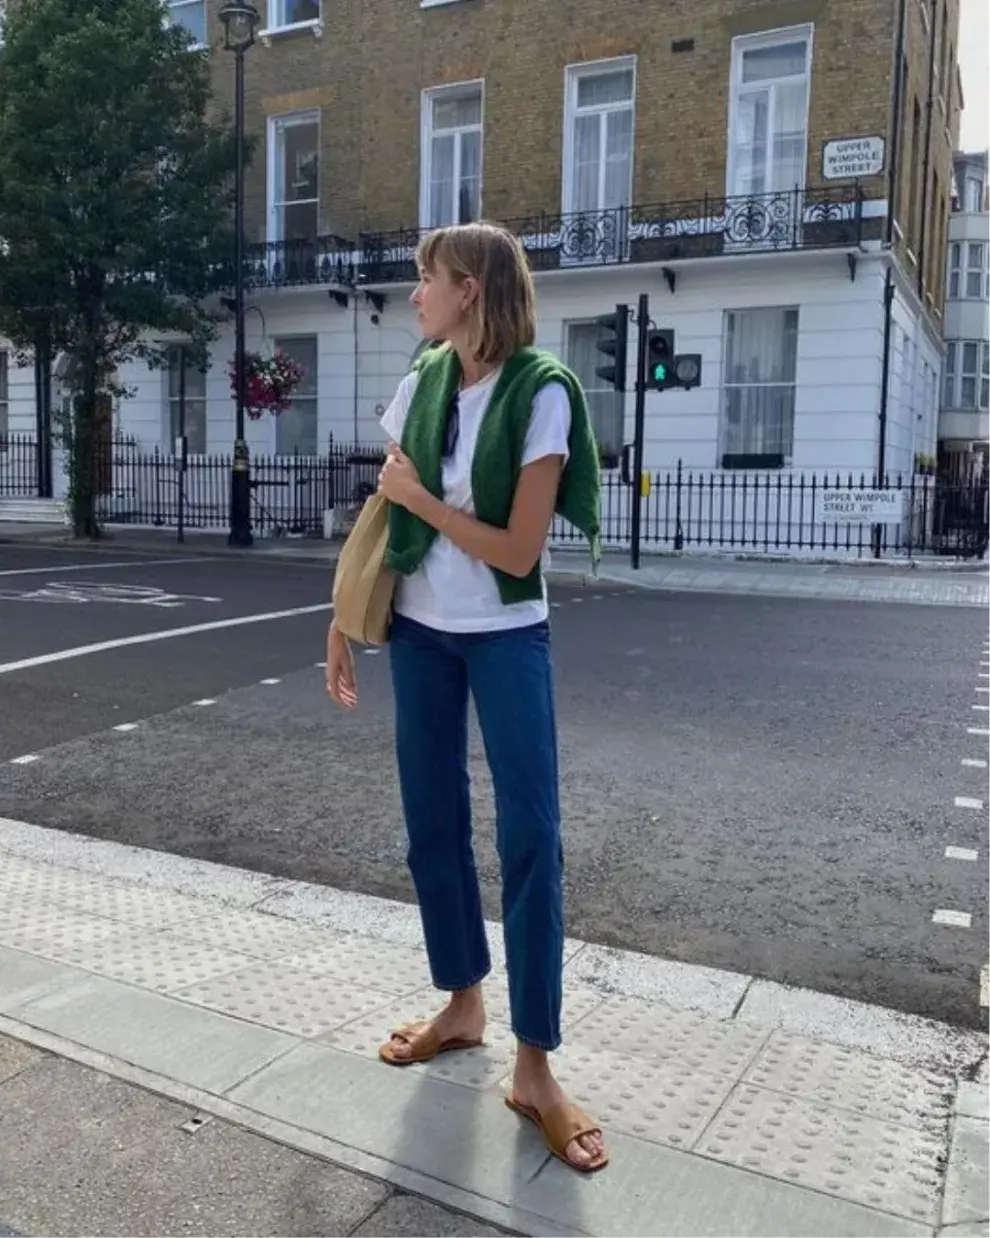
{"type": "Point", "coordinates": [83, 454]}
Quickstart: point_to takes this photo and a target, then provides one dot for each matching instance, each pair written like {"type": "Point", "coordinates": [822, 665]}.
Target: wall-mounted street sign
{"type": "Point", "coordinates": [847, 158]}
{"type": "Point", "coordinates": [862, 507]}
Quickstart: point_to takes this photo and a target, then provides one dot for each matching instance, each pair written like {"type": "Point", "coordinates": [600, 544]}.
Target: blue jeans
{"type": "Point", "coordinates": [509, 675]}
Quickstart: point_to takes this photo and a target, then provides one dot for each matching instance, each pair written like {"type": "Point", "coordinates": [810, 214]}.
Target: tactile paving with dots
{"type": "Point", "coordinates": [280, 997]}
{"type": "Point", "coordinates": [893, 1168]}
{"type": "Point", "coordinates": [255, 933]}
{"type": "Point", "coordinates": [360, 960]}
{"type": "Point", "coordinates": [53, 932]}
{"type": "Point", "coordinates": [669, 1103]}
{"type": "Point", "coordinates": [846, 1079]}
{"type": "Point", "coordinates": [578, 1003]}
{"type": "Point", "coordinates": [662, 1034]}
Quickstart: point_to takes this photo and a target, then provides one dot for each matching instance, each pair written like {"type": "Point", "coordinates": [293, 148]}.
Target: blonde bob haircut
{"type": "Point", "coordinates": [503, 317]}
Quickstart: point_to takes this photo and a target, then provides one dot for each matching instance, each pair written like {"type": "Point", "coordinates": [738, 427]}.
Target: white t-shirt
{"type": "Point", "coordinates": [451, 591]}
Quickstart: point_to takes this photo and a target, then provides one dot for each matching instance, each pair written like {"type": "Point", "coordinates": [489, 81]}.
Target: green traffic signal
{"type": "Point", "coordinates": [659, 373]}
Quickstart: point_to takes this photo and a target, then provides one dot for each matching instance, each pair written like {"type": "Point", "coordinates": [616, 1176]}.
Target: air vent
{"type": "Point", "coordinates": [682, 45]}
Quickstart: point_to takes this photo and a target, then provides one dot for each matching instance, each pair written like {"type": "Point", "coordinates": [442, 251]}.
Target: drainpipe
{"type": "Point", "coordinates": [356, 351]}
{"type": "Point", "coordinates": [929, 109]}
{"type": "Point", "coordinates": [888, 314]}
{"type": "Point", "coordinates": [896, 125]}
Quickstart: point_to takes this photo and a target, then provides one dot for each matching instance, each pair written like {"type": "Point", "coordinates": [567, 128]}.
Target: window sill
{"type": "Point", "coordinates": [768, 461]}
{"type": "Point", "coordinates": [278, 32]}
{"type": "Point", "coordinates": [435, 4]}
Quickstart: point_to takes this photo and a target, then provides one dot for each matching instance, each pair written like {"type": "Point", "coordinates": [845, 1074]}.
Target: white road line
{"type": "Point", "coordinates": [207, 700]}
{"type": "Point", "coordinates": [126, 726]}
{"type": "Point", "coordinates": [269, 682]}
{"type": "Point", "coordinates": [981, 688]}
{"type": "Point", "coordinates": [974, 762]}
{"type": "Point", "coordinates": [321, 665]}
{"type": "Point", "coordinates": [986, 707]}
{"type": "Point", "coordinates": [967, 801]}
{"type": "Point", "coordinates": [101, 567]}
{"type": "Point", "coordinates": [577, 599]}
{"type": "Point", "coordinates": [26, 760]}
{"type": "Point", "coordinates": [961, 853]}
{"type": "Point", "coordinates": [954, 919]}
{"type": "Point", "coordinates": [985, 985]}
{"type": "Point", "coordinates": [984, 675]}
{"type": "Point", "coordinates": [146, 638]}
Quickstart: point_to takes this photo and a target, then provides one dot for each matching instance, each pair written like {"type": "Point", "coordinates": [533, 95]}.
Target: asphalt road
{"type": "Point", "coordinates": [764, 785]}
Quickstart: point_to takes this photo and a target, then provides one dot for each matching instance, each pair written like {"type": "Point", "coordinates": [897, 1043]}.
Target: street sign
{"type": "Point", "coordinates": [862, 506]}
{"type": "Point", "coordinates": [848, 158]}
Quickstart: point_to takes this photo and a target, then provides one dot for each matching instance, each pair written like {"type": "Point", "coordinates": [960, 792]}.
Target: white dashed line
{"type": "Point", "coordinates": [321, 665]}
{"type": "Point", "coordinates": [577, 599]}
{"type": "Point", "coordinates": [207, 700]}
{"type": "Point", "coordinates": [268, 682]}
{"type": "Point", "coordinates": [961, 853]}
{"type": "Point", "coordinates": [985, 985]}
{"type": "Point", "coordinates": [954, 919]}
{"type": "Point", "coordinates": [126, 726]}
{"type": "Point", "coordinates": [967, 801]}
{"type": "Point", "coordinates": [985, 708]}
{"type": "Point", "coordinates": [980, 688]}
{"type": "Point", "coordinates": [978, 730]}
{"type": "Point", "coordinates": [983, 675]}
{"type": "Point", "coordinates": [26, 760]}
{"type": "Point", "coordinates": [974, 762]}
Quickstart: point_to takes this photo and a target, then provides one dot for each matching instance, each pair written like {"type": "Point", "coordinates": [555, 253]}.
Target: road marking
{"type": "Point", "coordinates": [147, 638]}
{"type": "Point", "coordinates": [26, 760]}
{"type": "Point", "coordinates": [974, 762]}
{"type": "Point", "coordinates": [126, 726]}
{"type": "Point", "coordinates": [985, 985]}
{"type": "Point", "coordinates": [954, 919]}
{"type": "Point", "coordinates": [555, 605]}
{"type": "Point", "coordinates": [980, 688]}
{"type": "Point", "coordinates": [269, 682]}
{"type": "Point", "coordinates": [978, 730]}
{"type": "Point", "coordinates": [961, 853]}
{"type": "Point", "coordinates": [577, 599]}
{"type": "Point", "coordinates": [984, 707]}
{"type": "Point", "coordinates": [322, 665]}
{"type": "Point", "coordinates": [207, 700]}
{"type": "Point", "coordinates": [967, 801]}
{"type": "Point", "coordinates": [101, 567]}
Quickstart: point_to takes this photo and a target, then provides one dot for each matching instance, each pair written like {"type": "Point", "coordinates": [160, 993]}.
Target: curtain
{"type": "Point", "coordinates": [297, 429]}
{"type": "Point", "coordinates": [759, 384]}
{"type": "Point", "coordinates": [604, 403]}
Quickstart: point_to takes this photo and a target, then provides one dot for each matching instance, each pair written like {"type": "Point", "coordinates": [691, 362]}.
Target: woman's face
{"type": "Point", "coordinates": [442, 303]}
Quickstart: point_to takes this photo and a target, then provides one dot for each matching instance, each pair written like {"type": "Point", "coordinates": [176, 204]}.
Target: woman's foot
{"type": "Point", "coordinates": [535, 1088]}
{"type": "Point", "coordinates": [461, 1020]}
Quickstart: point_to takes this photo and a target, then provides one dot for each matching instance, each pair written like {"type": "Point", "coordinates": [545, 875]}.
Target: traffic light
{"type": "Point", "coordinates": [614, 343]}
{"type": "Point", "coordinates": [687, 370]}
{"type": "Point", "coordinates": [660, 359]}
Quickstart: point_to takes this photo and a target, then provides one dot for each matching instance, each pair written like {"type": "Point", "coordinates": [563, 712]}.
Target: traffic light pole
{"type": "Point", "coordinates": [642, 328]}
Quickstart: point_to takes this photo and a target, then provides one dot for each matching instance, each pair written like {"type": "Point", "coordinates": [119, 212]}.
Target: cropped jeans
{"type": "Point", "coordinates": [509, 675]}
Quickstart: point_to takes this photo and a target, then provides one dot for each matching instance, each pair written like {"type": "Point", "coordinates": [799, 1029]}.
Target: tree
{"type": "Point", "coordinates": [116, 196]}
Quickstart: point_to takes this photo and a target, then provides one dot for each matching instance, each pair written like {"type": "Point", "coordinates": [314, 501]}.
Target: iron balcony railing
{"type": "Point", "coordinates": [799, 219]}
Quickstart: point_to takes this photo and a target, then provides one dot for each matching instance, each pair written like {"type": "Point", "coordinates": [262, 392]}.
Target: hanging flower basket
{"type": "Point", "coordinates": [269, 383]}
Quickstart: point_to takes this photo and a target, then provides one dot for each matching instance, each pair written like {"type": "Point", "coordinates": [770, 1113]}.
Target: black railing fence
{"type": "Point", "coordinates": [681, 509]}
{"type": "Point", "coordinates": [18, 466]}
{"type": "Point", "coordinates": [794, 513]}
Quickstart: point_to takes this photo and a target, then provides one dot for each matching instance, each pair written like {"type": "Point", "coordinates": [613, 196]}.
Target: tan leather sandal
{"type": "Point", "coordinates": [428, 1044]}
{"type": "Point", "coordinates": [559, 1127]}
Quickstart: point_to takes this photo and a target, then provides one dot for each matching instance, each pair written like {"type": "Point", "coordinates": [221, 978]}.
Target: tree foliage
{"type": "Point", "coordinates": [116, 198]}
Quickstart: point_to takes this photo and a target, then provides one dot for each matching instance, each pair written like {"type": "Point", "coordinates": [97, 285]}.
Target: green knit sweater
{"type": "Point", "coordinates": [497, 458]}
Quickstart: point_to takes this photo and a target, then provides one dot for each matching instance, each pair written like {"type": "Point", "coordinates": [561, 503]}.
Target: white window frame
{"type": "Point", "coordinates": [172, 5]}
{"type": "Point", "coordinates": [757, 42]}
{"type": "Point", "coordinates": [284, 342]}
{"type": "Point", "coordinates": [276, 124]}
{"type": "Point", "coordinates": [727, 384]}
{"type": "Point", "coordinates": [600, 388]}
{"type": "Point", "coordinates": [955, 265]}
{"type": "Point", "coordinates": [978, 270]}
{"type": "Point", "coordinates": [427, 98]}
{"type": "Point", "coordinates": [277, 22]}
{"type": "Point", "coordinates": [176, 352]}
{"type": "Point", "coordinates": [949, 374]}
{"type": "Point", "coordinates": [573, 73]}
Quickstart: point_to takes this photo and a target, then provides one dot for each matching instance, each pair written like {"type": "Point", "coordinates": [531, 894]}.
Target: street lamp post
{"type": "Point", "coordinates": [240, 22]}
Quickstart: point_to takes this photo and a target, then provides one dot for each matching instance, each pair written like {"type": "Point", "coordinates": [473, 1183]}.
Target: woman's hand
{"type": "Point", "coordinates": [341, 679]}
{"type": "Point", "coordinates": [398, 481]}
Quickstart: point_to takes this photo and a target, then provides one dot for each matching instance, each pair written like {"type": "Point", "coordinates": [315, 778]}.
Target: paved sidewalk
{"type": "Point", "coordinates": [85, 1153]}
{"type": "Point", "coordinates": [732, 1106]}
{"type": "Point", "coordinates": [931, 582]}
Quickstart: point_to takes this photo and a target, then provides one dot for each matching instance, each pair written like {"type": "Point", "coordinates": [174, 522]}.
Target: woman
{"type": "Point", "coordinates": [488, 438]}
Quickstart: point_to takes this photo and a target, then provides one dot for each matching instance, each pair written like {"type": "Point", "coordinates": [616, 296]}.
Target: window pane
{"type": "Point", "coordinates": [970, 359]}
{"type": "Point", "coordinates": [760, 371]}
{"type": "Point", "coordinates": [457, 111]}
{"type": "Point", "coordinates": [300, 10]}
{"type": "Point", "coordinates": [192, 15]}
{"type": "Point", "coordinates": [761, 346]}
{"type": "Point", "coordinates": [975, 256]}
{"type": "Point", "coordinates": [974, 283]}
{"type": "Point", "coordinates": [954, 284]}
{"type": "Point", "coordinates": [766, 63]}
{"type": "Point", "coordinates": [618, 158]}
{"type": "Point", "coordinates": [469, 190]}
{"type": "Point", "coordinates": [967, 397]}
{"type": "Point", "coordinates": [596, 89]}
{"type": "Point", "coordinates": [955, 254]}
{"type": "Point", "coordinates": [974, 195]}
{"type": "Point", "coordinates": [302, 162]}
{"type": "Point", "coordinates": [750, 129]}
{"type": "Point", "coordinates": [442, 181]}
{"type": "Point", "coordinates": [587, 165]}
{"type": "Point", "coordinates": [604, 403]}
{"type": "Point", "coordinates": [4, 377]}
{"type": "Point", "coordinates": [296, 430]}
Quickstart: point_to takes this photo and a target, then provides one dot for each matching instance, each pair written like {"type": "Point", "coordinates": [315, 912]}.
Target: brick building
{"type": "Point", "coordinates": [774, 173]}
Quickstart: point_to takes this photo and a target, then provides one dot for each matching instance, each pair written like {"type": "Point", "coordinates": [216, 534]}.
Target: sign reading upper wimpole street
{"type": "Point", "coordinates": [862, 507]}
{"type": "Point", "coordinates": [845, 159]}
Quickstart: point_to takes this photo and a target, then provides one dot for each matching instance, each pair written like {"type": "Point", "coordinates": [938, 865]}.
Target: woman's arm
{"type": "Point", "coordinates": [514, 550]}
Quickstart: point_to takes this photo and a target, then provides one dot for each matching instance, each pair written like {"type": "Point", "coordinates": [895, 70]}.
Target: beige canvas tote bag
{"type": "Point", "coordinates": [363, 586]}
